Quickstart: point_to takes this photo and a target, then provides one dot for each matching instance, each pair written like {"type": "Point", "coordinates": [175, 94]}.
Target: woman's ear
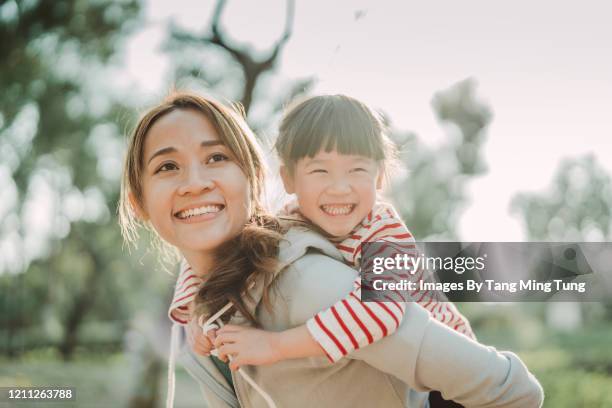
{"type": "Point", "coordinates": [287, 180]}
{"type": "Point", "coordinates": [140, 213]}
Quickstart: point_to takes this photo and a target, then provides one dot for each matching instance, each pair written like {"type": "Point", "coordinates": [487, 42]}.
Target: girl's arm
{"type": "Point", "coordinates": [249, 346]}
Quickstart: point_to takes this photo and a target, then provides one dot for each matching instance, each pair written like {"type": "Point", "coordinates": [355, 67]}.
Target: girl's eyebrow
{"type": "Point", "coordinates": [362, 160]}
{"type": "Point", "coordinates": [166, 150]}
{"type": "Point", "coordinates": [315, 162]}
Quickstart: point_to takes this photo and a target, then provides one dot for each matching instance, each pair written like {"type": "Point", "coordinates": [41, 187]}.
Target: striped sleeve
{"type": "Point", "coordinates": [350, 323]}
{"type": "Point", "coordinates": [185, 290]}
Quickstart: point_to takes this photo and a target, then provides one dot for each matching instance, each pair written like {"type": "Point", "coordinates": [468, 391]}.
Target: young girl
{"type": "Point", "coordinates": [334, 154]}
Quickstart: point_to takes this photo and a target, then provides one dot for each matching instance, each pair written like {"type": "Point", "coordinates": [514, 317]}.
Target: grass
{"type": "Point", "coordinates": [100, 382]}
{"type": "Point", "coordinates": [574, 368]}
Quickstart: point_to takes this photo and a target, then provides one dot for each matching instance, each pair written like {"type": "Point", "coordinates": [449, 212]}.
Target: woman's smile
{"type": "Point", "coordinates": [199, 213]}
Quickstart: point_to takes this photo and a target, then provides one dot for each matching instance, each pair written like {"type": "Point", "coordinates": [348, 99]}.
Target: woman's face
{"type": "Point", "coordinates": [194, 193]}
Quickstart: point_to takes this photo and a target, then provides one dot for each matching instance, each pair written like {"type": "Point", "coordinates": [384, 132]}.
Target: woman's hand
{"type": "Point", "coordinates": [199, 342]}
{"type": "Point", "coordinates": [247, 346]}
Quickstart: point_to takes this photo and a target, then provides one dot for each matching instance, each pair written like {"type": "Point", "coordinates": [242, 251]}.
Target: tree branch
{"type": "Point", "coordinates": [251, 68]}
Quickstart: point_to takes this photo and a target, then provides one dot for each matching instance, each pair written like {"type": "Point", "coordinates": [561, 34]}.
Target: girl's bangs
{"type": "Point", "coordinates": [346, 131]}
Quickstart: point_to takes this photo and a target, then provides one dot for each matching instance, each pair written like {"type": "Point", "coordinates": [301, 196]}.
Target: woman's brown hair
{"type": "Point", "coordinates": [254, 251]}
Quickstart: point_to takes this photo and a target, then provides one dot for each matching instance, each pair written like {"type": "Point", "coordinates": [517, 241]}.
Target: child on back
{"type": "Point", "coordinates": [334, 152]}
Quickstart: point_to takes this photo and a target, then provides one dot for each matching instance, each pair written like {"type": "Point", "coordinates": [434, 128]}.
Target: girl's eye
{"type": "Point", "coordinates": [217, 157]}
{"type": "Point", "coordinates": [318, 171]}
{"type": "Point", "coordinates": [359, 169]}
{"type": "Point", "coordinates": [166, 167]}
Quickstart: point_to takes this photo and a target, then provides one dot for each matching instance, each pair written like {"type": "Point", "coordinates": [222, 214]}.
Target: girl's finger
{"type": "Point", "coordinates": [230, 328]}
{"type": "Point", "coordinates": [235, 364]}
{"type": "Point", "coordinates": [224, 338]}
{"type": "Point", "coordinates": [226, 349]}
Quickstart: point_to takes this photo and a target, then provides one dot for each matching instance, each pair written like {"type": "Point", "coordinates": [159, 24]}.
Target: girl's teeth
{"type": "Point", "coordinates": [337, 210]}
{"type": "Point", "coordinates": [199, 211]}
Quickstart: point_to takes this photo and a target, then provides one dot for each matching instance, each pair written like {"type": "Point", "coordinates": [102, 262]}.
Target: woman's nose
{"type": "Point", "coordinates": [196, 181]}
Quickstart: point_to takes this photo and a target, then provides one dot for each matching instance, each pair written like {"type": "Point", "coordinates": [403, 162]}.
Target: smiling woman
{"type": "Point", "coordinates": [194, 176]}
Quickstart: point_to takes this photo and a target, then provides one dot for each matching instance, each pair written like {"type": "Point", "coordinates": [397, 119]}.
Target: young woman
{"type": "Point", "coordinates": [194, 174]}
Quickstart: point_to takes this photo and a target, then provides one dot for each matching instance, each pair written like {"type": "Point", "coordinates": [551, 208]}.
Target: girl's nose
{"type": "Point", "coordinates": [196, 182]}
{"type": "Point", "coordinates": [339, 187]}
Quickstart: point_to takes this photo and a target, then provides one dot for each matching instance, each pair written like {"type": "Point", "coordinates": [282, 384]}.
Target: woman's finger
{"type": "Point", "coordinates": [212, 335]}
{"type": "Point", "coordinates": [203, 351]}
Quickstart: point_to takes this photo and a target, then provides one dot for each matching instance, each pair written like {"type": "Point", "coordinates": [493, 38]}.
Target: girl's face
{"type": "Point", "coordinates": [335, 191]}
{"type": "Point", "coordinates": [194, 193]}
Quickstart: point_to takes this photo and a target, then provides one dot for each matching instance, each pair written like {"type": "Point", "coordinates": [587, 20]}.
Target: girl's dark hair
{"type": "Point", "coordinates": [328, 122]}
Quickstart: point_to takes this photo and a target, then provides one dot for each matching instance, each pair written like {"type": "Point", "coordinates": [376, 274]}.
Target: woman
{"type": "Point", "coordinates": [194, 174]}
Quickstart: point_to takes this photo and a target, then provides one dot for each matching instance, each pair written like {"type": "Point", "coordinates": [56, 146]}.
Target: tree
{"type": "Point", "coordinates": [576, 207]}
{"type": "Point", "coordinates": [432, 194]}
{"type": "Point", "coordinates": [240, 72]}
{"type": "Point", "coordinates": [52, 119]}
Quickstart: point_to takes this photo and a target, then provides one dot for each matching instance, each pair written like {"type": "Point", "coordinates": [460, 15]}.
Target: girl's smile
{"type": "Point", "coordinates": [335, 191]}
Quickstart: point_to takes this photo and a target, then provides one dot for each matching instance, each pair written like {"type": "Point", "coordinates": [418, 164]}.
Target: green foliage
{"type": "Point", "coordinates": [58, 129]}
{"type": "Point", "coordinates": [432, 195]}
{"type": "Point", "coordinates": [576, 207]}
{"type": "Point", "coordinates": [575, 369]}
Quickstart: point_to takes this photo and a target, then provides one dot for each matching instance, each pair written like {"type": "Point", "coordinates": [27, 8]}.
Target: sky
{"type": "Point", "coordinates": [544, 68]}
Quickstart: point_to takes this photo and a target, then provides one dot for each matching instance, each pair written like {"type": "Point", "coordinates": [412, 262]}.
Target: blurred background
{"type": "Point", "coordinates": [501, 111]}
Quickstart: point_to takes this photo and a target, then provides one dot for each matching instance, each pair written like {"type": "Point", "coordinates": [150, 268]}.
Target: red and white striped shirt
{"type": "Point", "coordinates": [350, 323]}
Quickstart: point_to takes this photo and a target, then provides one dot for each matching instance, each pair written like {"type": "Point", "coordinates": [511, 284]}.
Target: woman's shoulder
{"type": "Point", "coordinates": [307, 258]}
{"type": "Point", "coordinates": [298, 242]}
{"type": "Point", "coordinates": [313, 276]}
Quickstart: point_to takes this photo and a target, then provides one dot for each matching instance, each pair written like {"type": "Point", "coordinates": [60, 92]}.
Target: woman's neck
{"type": "Point", "coordinates": [201, 262]}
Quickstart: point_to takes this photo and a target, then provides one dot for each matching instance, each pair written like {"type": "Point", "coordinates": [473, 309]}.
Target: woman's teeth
{"type": "Point", "coordinates": [338, 209]}
{"type": "Point", "coordinates": [192, 212]}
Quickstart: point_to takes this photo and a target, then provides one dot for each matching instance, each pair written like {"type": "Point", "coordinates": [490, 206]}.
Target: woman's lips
{"type": "Point", "coordinates": [198, 214]}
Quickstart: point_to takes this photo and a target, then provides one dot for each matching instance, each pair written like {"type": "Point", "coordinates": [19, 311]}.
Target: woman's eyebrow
{"type": "Point", "coordinates": [166, 150]}
{"type": "Point", "coordinates": [160, 152]}
{"type": "Point", "coordinates": [208, 143]}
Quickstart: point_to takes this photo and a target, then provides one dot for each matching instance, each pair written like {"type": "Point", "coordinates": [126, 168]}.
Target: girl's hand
{"type": "Point", "coordinates": [199, 342]}
{"type": "Point", "coordinates": [247, 346]}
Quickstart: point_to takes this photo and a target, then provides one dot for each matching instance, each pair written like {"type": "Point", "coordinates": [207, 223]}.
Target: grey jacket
{"type": "Point", "coordinates": [397, 371]}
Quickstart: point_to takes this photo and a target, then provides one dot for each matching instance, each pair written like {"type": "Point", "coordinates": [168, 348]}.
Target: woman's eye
{"type": "Point", "coordinates": [359, 169]}
{"type": "Point", "coordinates": [166, 167]}
{"type": "Point", "coordinates": [318, 171]}
{"type": "Point", "coordinates": [217, 157]}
